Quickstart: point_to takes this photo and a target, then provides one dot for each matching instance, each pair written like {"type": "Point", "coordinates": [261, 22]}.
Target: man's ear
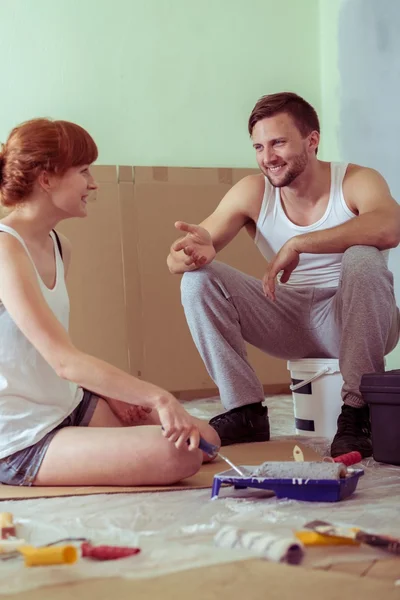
{"type": "Point", "coordinates": [313, 141]}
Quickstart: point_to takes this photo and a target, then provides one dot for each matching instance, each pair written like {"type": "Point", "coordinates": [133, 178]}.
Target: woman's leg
{"type": "Point", "coordinates": [108, 453]}
{"type": "Point", "coordinates": [117, 456]}
{"type": "Point", "coordinates": [104, 416]}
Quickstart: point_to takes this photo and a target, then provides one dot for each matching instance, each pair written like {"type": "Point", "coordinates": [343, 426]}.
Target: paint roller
{"type": "Point", "coordinates": [301, 470]}
{"type": "Point", "coordinates": [213, 451]}
{"type": "Point", "coordinates": [284, 470]}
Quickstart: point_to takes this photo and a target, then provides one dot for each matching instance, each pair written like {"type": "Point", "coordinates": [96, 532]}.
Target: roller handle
{"type": "Point", "coordinates": [206, 447]}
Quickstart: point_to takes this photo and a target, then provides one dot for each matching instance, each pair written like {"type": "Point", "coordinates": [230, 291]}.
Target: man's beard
{"type": "Point", "coordinates": [296, 168]}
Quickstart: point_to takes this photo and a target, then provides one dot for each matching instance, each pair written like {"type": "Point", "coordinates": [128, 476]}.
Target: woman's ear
{"type": "Point", "coordinates": [45, 181]}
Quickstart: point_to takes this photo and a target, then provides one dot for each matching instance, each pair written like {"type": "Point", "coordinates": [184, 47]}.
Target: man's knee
{"type": "Point", "coordinates": [363, 262]}
{"type": "Point", "coordinates": [195, 284]}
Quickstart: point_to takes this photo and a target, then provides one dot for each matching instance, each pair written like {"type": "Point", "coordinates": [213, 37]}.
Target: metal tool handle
{"type": "Point", "coordinates": [380, 541]}
{"type": "Point", "coordinates": [208, 448]}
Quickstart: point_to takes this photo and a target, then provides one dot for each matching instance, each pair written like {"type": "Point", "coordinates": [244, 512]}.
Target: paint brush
{"type": "Point", "coordinates": [385, 542]}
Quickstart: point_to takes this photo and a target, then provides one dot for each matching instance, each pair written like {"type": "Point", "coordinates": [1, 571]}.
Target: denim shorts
{"type": "Point", "coordinates": [22, 467]}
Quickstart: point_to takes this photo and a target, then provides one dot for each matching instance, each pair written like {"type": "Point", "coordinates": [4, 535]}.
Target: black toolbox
{"type": "Point", "coordinates": [381, 391]}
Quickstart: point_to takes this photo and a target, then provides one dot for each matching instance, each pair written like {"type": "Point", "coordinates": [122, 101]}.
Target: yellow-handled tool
{"type": "Point", "coordinates": [48, 555]}
{"type": "Point", "coordinates": [313, 538]}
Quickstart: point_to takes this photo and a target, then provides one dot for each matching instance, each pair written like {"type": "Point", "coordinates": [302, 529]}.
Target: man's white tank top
{"type": "Point", "coordinates": [33, 398]}
{"type": "Point", "coordinates": [274, 229]}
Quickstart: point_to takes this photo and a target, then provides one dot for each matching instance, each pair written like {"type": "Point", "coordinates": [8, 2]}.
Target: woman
{"type": "Point", "coordinates": [62, 412]}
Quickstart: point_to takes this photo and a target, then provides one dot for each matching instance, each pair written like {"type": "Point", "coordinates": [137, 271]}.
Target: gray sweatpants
{"type": "Point", "coordinates": [358, 322]}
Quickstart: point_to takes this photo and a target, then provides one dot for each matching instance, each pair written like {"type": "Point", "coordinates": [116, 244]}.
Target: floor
{"type": "Point", "coordinates": [176, 530]}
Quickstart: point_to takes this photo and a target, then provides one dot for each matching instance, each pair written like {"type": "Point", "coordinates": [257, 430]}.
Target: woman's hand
{"type": "Point", "coordinates": [178, 426]}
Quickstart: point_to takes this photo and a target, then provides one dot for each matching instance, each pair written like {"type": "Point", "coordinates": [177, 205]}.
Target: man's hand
{"type": "Point", "coordinates": [129, 414]}
{"type": "Point", "coordinates": [197, 245]}
{"type": "Point", "coordinates": [286, 260]}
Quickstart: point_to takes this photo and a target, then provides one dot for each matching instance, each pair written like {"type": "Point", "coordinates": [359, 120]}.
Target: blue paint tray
{"type": "Point", "coordinates": [307, 490]}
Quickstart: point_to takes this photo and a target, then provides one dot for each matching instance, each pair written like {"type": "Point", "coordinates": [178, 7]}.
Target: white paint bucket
{"type": "Point", "coordinates": [316, 389]}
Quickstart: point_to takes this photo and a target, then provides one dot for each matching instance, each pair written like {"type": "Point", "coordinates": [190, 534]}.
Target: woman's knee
{"type": "Point", "coordinates": [183, 463]}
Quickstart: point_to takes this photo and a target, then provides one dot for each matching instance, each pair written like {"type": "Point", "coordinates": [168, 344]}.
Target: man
{"type": "Point", "coordinates": [324, 229]}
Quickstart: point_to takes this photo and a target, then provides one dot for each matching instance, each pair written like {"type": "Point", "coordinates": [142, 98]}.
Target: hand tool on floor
{"type": "Point", "coordinates": [107, 552]}
{"type": "Point", "coordinates": [277, 548]}
{"type": "Point", "coordinates": [7, 527]}
{"type": "Point", "coordinates": [348, 459]}
{"type": "Point", "coordinates": [43, 555]}
{"type": "Point", "coordinates": [385, 542]}
{"type": "Point", "coordinates": [51, 555]}
{"type": "Point", "coordinates": [313, 538]}
{"type": "Point", "coordinates": [58, 552]}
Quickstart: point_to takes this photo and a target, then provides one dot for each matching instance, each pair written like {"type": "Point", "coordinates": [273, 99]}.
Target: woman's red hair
{"type": "Point", "coordinates": [41, 145]}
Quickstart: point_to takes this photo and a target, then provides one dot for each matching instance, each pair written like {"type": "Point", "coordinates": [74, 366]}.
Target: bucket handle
{"type": "Point", "coordinates": [295, 387]}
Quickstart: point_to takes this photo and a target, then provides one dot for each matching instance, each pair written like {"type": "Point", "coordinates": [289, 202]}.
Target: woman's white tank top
{"type": "Point", "coordinates": [33, 398]}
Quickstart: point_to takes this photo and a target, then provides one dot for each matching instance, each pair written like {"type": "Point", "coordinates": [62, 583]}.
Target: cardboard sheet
{"type": "Point", "coordinates": [245, 454]}
{"type": "Point", "coordinates": [162, 196]}
{"type": "Point", "coordinates": [255, 579]}
{"type": "Point", "coordinates": [125, 304]}
{"type": "Point", "coordinates": [96, 282]}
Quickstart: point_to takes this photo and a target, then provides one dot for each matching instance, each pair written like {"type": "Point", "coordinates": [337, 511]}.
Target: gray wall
{"type": "Point", "coordinates": [369, 67]}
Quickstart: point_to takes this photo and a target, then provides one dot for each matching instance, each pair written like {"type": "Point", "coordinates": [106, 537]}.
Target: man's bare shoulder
{"type": "Point", "coordinates": [254, 182]}
{"type": "Point", "coordinates": [363, 185]}
{"type": "Point", "coordinates": [248, 193]}
{"type": "Point", "coordinates": [358, 174]}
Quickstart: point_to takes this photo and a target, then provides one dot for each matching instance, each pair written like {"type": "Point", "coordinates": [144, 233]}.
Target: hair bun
{"type": "Point", "coordinates": [2, 161]}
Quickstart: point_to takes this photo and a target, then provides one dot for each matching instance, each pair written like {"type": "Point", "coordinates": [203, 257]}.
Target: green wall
{"type": "Point", "coordinates": [168, 82]}
{"type": "Point", "coordinates": [329, 77]}
{"type": "Point", "coordinates": [156, 82]}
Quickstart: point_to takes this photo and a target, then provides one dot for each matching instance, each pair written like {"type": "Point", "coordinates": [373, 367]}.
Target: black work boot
{"type": "Point", "coordinates": [243, 424]}
{"type": "Point", "coordinates": [353, 433]}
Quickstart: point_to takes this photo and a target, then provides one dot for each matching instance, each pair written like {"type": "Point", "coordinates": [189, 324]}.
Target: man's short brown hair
{"type": "Point", "coordinates": [302, 113]}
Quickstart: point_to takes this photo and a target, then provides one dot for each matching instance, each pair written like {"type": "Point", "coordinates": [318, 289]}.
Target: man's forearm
{"type": "Point", "coordinates": [369, 229]}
